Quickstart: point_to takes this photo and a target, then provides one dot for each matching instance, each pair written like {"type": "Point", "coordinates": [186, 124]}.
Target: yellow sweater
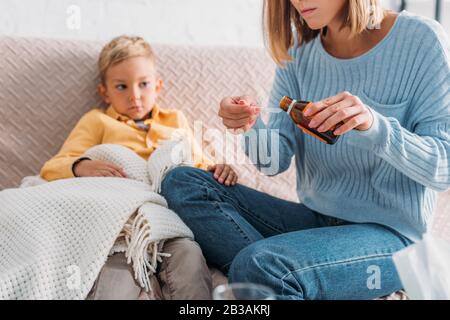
{"type": "Point", "coordinates": [103, 127]}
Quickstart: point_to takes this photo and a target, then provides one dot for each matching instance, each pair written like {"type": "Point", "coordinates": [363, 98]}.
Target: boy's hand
{"type": "Point", "coordinates": [224, 174]}
{"type": "Point", "coordinates": [95, 168]}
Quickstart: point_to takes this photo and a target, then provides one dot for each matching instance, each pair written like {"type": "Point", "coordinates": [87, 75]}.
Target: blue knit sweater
{"type": "Point", "coordinates": [391, 173]}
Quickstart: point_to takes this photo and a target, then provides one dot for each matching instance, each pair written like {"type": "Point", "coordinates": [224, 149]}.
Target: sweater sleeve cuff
{"type": "Point", "coordinates": [376, 137]}
{"type": "Point", "coordinates": [259, 124]}
{"type": "Point", "coordinates": [75, 163]}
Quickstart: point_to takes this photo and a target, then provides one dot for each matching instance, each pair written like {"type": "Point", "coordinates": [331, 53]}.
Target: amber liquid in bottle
{"type": "Point", "coordinates": [295, 109]}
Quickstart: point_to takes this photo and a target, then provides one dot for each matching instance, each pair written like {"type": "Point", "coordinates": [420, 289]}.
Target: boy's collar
{"type": "Point", "coordinates": [115, 115]}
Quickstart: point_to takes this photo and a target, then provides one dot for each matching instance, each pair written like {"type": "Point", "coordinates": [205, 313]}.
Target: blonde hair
{"type": "Point", "coordinates": [280, 16]}
{"type": "Point", "coordinates": [120, 49]}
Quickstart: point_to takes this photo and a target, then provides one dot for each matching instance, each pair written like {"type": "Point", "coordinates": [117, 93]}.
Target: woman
{"type": "Point", "coordinates": [387, 77]}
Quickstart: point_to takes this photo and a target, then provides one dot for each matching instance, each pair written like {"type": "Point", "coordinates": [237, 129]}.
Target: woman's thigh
{"type": "Point", "coordinates": [193, 192]}
{"type": "Point", "coordinates": [352, 261]}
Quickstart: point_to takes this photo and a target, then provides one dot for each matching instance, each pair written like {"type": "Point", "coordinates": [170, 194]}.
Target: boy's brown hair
{"type": "Point", "coordinates": [120, 49]}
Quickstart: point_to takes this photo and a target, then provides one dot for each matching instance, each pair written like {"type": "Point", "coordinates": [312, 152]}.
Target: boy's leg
{"type": "Point", "coordinates": [225, 219]}
{"type": "Point", "coordinates": [352, 261]}
{"type": "Point", "coordinates": [116, 282]}
{"type": "Point", "coordinates": [184, 275]}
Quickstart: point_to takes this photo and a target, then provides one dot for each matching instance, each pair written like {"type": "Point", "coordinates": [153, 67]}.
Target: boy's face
{"type": "Point", "coordinates": [131, 87]}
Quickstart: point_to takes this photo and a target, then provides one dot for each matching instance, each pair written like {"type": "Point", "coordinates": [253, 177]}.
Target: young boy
{"type": "Point", "coordinates": [130, 85]}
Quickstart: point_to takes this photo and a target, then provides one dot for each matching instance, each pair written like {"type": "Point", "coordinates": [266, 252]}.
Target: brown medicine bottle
{"type": "Point", "coordinates": [295, 109]}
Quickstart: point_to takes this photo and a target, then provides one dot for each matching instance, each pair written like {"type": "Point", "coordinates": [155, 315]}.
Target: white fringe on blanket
{"type": "Point", "coordinates": [48, 227]}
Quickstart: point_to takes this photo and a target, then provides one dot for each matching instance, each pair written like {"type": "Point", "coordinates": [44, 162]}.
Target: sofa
{"type": "Point", "coordinates": [47, 85]}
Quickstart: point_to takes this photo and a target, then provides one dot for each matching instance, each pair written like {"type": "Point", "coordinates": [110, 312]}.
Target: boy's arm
{"type": "Point", "coordinates": [86, 134]}
{"type": "Point", "coordinates": [201, 159]}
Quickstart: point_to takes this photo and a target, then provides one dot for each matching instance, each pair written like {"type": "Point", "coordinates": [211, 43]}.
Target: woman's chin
{"type": "Point", "coordinates": [315, 25]}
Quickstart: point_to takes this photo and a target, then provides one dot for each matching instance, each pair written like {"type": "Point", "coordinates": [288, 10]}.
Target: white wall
{"type": "Point", "coordinates": [206, 22]}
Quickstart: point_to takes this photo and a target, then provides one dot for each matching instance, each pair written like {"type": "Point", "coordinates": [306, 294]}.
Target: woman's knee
{"type": "Point", "coordinates": [179, 174]}
{"type": "Point", "coordinates": [178, 179]}
{"type": "Point", "coordinates": [251, 263]}
{"type": "Point", "coordinates": [182, 174]}
{"type": "Point", "coordinates": [264, 263]}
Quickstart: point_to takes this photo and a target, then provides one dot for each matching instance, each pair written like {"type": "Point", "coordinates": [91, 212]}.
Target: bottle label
{"type": "Point", "coordinates": [291, 106]}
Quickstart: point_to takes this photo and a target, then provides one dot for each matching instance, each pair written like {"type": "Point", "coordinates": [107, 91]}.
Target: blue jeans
{"type": "Point", "coordinates": [300, 253]}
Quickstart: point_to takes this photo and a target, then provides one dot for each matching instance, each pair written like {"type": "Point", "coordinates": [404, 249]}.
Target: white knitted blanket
{"type": "Point", "coordinates": [55, 237]}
